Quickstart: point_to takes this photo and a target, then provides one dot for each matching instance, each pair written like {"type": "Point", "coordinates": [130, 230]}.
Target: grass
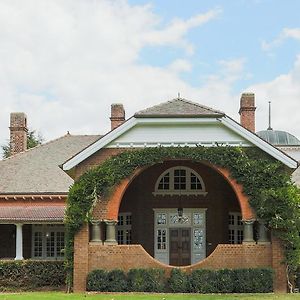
{"type": "Point", "coordinates": [141, 296]}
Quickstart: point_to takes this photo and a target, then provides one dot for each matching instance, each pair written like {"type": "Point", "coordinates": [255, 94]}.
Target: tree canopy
{"type": "Point", "coordinates": [33, 139]}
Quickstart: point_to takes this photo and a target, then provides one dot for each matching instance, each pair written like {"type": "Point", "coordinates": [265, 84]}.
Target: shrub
{"type": "Point", "coordinates": [178, 282]}
{"type": "Point", "coordinates": [253, 280]}
{"type": "Point", "coordinates": [146, 280]}
{"type": "Point", "coordinates": [199, 281]}
{"type": "Point", "coordinates": [203, 281]}
{"type": "Point", "coordinates": [97, 281]}
{"type": "Point", "coordinates": [116, 281]}
{"type": "Point", "coordinates": [30, 274]}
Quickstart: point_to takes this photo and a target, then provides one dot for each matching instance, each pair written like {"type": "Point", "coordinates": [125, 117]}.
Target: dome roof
{"type": "Point", "coordinates": [278, 138]}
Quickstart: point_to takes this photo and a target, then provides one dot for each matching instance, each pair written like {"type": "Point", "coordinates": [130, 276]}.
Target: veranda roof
{"type": "Point", "coordinates": [31, 212]}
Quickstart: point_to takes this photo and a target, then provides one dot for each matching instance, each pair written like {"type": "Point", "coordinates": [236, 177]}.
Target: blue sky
{"type": "Point", "coordinates": [64, 62]}
{"type": "Point", "coordinates": [238, 32]}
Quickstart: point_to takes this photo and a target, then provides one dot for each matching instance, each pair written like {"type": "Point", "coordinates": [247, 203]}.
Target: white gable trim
{"type": "Point", "coordinates": [226, 121]}
{"type": "Point", "coordinates": [260, 143]}
{"type": "Point", "coordinates": [102, 142]}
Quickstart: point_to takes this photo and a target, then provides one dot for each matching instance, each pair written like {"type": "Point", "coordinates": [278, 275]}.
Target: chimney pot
{"type": "Point", "coordinates": [247, 111]}
{"type": "Point", "coordinates": [18, 132]}
{"type": "Point", "coordinates": [117, 115]}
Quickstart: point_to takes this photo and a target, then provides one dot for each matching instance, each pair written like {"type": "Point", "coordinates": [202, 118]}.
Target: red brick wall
{"type": "Point", "coordinates": [81, 259]}
{"type": "Point", "coordinates": [97, 256]}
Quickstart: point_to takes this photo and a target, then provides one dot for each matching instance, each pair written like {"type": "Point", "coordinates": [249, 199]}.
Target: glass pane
{"type": "Point", "coordinates": [120, 237]}
{"type": "Point", "coordinates": [179, 179]}
{"type": "Point", "coordinates": [164, 183]}
{"type": "Point", "coordinates": [38, 244]}
{"type": "Point", "coordinates": [50, 244]}
{"type": "Point", "coordinates": [198, 219]}
{"type": "Point", "coordinates": [60, 243]}
{"type": "Point", "coordinates": [195, 182]}
{"type": "Point", "coordinates": [161, 239]}
{"type": "Point", "coordinates": [161, 219]}
{"type": "Point", "coordinates": [198, 239]}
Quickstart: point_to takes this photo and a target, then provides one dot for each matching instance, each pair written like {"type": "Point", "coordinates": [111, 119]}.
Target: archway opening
{"type": "Point", "coordinates": [154, 219]}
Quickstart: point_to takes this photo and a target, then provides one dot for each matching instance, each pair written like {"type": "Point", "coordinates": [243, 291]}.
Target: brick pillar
{"type": "Point", "coordinates": [117, 115]}
{"type": "Point", "coordinates": [18, 132]}
{"type": "Point", "coordinates": [81, 259]}
{"type": "Point", "coordinates": [280, 279]}
{"type": "Point", "coordinates": [247, 111]}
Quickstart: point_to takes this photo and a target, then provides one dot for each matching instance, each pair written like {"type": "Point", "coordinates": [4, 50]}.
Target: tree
{"type": "Point", "coordinates": [33, 140]}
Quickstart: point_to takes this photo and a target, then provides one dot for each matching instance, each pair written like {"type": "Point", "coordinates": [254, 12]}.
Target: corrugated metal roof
{"type": "Point", "coordinates": [37, 170]}
{"type": "Point", "coordinates": [34, 213]}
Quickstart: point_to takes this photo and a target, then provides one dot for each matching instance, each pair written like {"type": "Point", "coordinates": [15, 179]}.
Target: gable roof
{"type": "Point", "coordinates": [178, 107]}
{"type": "Point", "coordinates": [179, 111]}
{"type": "Point", "coordinates": [37, 170]}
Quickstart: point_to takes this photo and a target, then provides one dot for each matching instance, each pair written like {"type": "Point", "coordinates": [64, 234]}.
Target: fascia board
{"type": "Point", "coordinates": [255, 140]}
{"type": "Point", "coordinates": [81, 156]}
{"type": "Point", "coordinates": [176, 120]}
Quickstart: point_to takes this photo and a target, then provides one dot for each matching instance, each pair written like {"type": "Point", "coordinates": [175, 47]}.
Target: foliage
{"type": "Point", "coordinates": [265, 180]}
{"type": "Point", "coordinates": [29, 274]}
{"type": "Point", "coordinates": [253, 281]}
{"type": "Point", "coordinates": [33, 140]}
{"type": "Point", "coordinates": [199, 281]}
{"type": "Point", "coordinates": [97, 281]}
{"type": "Point", "coordinates": [178, 282]}
{"type": "Point", "coordinates": [146, 280]}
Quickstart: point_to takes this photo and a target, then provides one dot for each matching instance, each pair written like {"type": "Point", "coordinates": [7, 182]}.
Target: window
{"type": "Point", "coordinates": [235, 228]}
{"type": "Point", "coordinates": [48, 241]}
{"type": "Point", "coordinates": [124, 228]}
{"type": "Point", "coordinates": [180, 181]}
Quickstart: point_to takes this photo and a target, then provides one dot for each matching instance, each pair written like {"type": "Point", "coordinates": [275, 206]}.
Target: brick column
{"type": "Point", "coordinates": [280, 279]}
{"type": "Point", "coordinates": [81, 258]}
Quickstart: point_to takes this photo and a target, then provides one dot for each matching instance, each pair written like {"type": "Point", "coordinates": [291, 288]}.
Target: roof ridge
{"type": "Point", "coordinates": [199, 105]}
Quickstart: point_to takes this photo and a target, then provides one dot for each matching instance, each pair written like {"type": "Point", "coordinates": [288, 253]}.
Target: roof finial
{"type": "Point", "coordinates": [178, 95]}
{"type": "Point", "coordinates": [270, 127]}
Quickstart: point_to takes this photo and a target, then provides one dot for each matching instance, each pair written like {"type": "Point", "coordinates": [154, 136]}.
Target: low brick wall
{"type": "Point", "coordinates": [126, 257]}
{"type": "Point", "coordinates": [92, 255]}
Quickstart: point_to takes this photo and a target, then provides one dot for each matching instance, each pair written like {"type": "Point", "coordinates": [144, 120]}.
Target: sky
{"type": "Point", "coordinates": [64, 62]}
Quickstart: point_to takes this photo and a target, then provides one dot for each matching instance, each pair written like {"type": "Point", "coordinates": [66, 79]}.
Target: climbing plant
{"type": "Point", "coordinates": [266, 181]}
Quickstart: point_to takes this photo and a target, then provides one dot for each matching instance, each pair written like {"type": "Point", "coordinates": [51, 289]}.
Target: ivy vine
{"type": "Point", "coordinates": [266, 181]}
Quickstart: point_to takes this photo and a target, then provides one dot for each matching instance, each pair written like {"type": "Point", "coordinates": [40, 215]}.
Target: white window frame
{"type": "Point", "coordinates": [188, 221]}
{"type": "Point", "coordinates": [187, 191]}
{"type": "Point", "coordinates": [46, 230]}
{"type": "Point", "coordinates": [237, 227]}
{"type": "Point", "coordinates": [125, 228]}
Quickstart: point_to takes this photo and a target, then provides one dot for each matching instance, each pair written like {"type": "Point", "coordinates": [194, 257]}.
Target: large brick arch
{"type": "Point", "coordinates": [114, 201]}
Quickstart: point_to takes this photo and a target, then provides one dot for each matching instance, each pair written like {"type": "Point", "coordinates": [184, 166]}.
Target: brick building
{"type": "Point", "coordinates": [177, 213]}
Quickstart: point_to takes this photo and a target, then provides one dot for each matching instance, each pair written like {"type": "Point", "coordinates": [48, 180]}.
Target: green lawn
{"type": "Point", "coordinates": [58, 296]}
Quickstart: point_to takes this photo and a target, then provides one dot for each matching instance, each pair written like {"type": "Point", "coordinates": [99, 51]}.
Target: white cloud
{"type": "Point", "coordinates": [64, 62]}
{"type": "Point", "coordinates": [286, 33]}
{"type": "Point", "coordinates": [284, 93]}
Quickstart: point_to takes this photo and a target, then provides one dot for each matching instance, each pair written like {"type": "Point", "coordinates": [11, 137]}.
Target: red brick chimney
{"type": "Point", "coordinates": [18, 132]}
{"type": "Point", "coordinates": [117, 115]}
{"type": "Point", "coordinates": [247, 111]}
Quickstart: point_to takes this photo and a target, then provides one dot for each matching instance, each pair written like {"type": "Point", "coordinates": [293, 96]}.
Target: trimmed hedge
{"type": "Point", "coordinates": [30, 274]}
{"type": "Point", "coordinates": [146, 280]}
{"type": "Point", "coordinates": [198, 281]}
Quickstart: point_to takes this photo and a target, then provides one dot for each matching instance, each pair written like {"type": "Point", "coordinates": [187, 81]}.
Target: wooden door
{"type": "Point", "coordinates": [180, 246]}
